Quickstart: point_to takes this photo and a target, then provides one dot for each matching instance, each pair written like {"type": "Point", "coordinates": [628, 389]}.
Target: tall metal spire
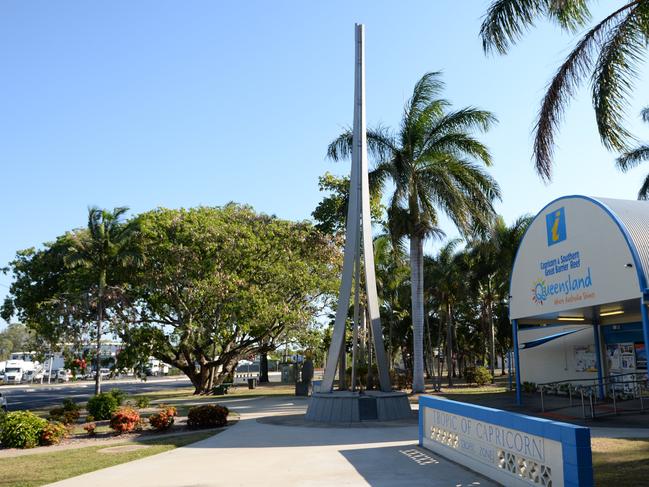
{"type": "Point", "coordinates": [358, 224]}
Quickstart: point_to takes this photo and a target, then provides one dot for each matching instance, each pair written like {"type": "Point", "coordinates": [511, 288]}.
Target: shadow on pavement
{"type": "Point", "coordinates": [409, 465]}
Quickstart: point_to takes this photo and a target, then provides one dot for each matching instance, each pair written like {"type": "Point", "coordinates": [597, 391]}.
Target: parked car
{"type": "Point", "coordinates": [62, 375]}
{"type": "Point", "coordinates": [104, 373]}
{"type": "Point", "coordinates": [3, 403]}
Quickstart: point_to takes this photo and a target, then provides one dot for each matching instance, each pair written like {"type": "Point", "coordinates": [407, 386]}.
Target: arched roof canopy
{"type": "Point", "coordinates": [581, 259]}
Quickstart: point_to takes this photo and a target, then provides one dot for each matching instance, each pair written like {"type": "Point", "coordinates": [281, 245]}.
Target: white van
{"type": "Point", "coordinates": [62, 375]}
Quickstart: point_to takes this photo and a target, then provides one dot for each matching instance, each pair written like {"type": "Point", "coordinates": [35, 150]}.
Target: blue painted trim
{"type": "Point", "coordinates": [421, 427]}
{"type": "Point", "coordinates": [523, 326]}
{"type": "Point", "coordinates": [642, 280]}
{"type": "Point", "coordinates": [645, 325]}
{"type": "Point", "coordinates": [598, 361]}
{"type": "Point", "coordinates": [549, 338]}
{"type": "Point", "coordinates": [509, 368]}
{"type": "Point", "coordinates": [517, 363]}
{"type": "Point", "coordinates": [575, 440]}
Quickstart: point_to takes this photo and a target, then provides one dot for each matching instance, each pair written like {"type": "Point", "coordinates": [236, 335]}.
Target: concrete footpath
{"type": "Point", "coordinates": [261, 453]}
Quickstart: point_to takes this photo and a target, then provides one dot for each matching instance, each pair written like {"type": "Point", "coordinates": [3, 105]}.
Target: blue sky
{"type": "Point", "coordinates": [161, 103]}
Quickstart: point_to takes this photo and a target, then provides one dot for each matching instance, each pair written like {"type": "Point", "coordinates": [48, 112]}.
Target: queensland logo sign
{"type": "Point", "coordinates": [569, 290]}
{"type": "Point", "coordinates": [564, 280]}
{"type": "Point", "coordinates": [555, 224]}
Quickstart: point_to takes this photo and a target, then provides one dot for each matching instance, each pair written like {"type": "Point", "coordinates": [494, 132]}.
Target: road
{"type": "Point", "coordinates": [40, 396]}
{"type": "Point", "coordinates": [37, 396]}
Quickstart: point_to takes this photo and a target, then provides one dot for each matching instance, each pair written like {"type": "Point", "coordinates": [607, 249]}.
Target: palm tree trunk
{"type": "Point", "coordinates": [449, 343]}
{"type": "Point", "coordinates": [492, 337]}
{"type": "Point", "coordinates": [100, 318]}
{"type": "Point", "coordinates": [417, 298]}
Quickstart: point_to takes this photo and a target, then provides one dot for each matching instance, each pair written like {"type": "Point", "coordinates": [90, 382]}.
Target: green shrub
{"type": "Point", "coordinates": [21, 429]}
{"type": "Point", "coordinates": [102, 406]}
{"type": "Point", "coordinates": [125, 420]}
{"type": "Point", "coordinates": [478, 375]}
{"type": "Point", "coordinates": [529, 387]}
{"type": "Point", "coordinates": [401, 380]}
{"type": "Point", "coordinates": [70, 405]}
{"type": "Point", "coordinates": [207, 416]}
{"type": "Point", "coordinates": [142, 402]}
{"type": "Point", "coordinates": [119, 396]}
{"type": "Point", "coordinates": [67, 414]}
{"type": "Point", "coordinates": [164, 419]}
{"type": "Point", "coordinates": [52, 433]}
{"type": "Point", "coordinates": [63, 416]}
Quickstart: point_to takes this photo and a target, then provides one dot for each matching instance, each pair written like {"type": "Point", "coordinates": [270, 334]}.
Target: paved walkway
{"type": "Point", "coordinates": [263, 454]}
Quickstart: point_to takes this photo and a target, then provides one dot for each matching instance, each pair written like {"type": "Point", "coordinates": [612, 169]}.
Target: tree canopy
{"type": "Point", "coordinates": [212, 287]}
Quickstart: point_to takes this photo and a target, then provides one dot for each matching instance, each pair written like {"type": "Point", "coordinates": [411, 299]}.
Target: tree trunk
{"type": "Point", "coordinates": [342, 368]}
{"type": "Point", "coordinates": [206, 378]}
{"type": "Point", "coordinates": [100, 318]}
{"type": "Point", "coordinates": [263, 368]}
{"type": "Point", "coordinates": [492, 337]}
{"type": "Point", "coordinates": [440, 361]}
{"type": "Point", "coordinates": [417, 299]}
{"type": "Point", "coordinates": [449, 343]}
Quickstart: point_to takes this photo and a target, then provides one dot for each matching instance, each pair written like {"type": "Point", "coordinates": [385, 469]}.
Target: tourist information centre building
{"type": "Point", "coordinates": [579, 293]}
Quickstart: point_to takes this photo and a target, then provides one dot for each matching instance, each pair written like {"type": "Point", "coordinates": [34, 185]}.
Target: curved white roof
{"type": "Point", "coordinates": [634, 215]}
{"type": "Point", "coordinates": [581, 252]}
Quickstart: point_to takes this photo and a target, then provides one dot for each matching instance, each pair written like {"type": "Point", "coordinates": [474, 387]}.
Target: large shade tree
{"type": "Point", "coordinates": [435, 164]}
{"type": "Point", "coordinates": [222, 284]}
{"type": "Point", "coordinates": [213, 286]}
{"type": "Point", "coordinates": [607, 55]}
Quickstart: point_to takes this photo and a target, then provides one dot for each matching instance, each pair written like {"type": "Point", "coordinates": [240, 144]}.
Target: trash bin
{"type": "Point", "coordinates": [252, 383]}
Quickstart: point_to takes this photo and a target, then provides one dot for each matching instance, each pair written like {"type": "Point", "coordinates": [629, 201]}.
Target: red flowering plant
{"type": "Point", "coordinates": [164, 419]}
{"type": "Point", "coordinates": [90, 428]}
{"type": "Point", "coordinates": [52, 433]}
{"type": "Point", "coordinates": [76, 365]}
{"type": "Point", "coordinates": [125, 420]}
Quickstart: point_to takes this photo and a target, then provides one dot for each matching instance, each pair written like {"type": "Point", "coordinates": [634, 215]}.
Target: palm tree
{"type": "Point", "coordinates": [635, 156]}
{"type": "Point", "coordinates": [107, 244]}
{"type": "Point", "coordinates": [607, 55]}
{"type": "Point", "coordinates": [433, 160]}
{"type": "Point", "coordinates": [490, 259]}
{"type": "Point", "coordinates": [447, 281]}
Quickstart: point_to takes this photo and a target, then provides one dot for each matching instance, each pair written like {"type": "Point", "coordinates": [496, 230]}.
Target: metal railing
{"type": "Point", "coordinates": [619, 387]}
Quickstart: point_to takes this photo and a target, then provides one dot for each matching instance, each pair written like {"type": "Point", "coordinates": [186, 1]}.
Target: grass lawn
{"type": "Point", "coordinates": [41, 469]}
{"type": "Point", "coordinates": [621, 461]}
{"type": "Point", "coordinates": [272, 389]}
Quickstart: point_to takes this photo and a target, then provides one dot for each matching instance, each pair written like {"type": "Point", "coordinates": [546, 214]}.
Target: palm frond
{"type": "Point", "coordinates": [507, 20]}
{"type": "Point", "coordinates": [643, 194]}
{"type": "Point", "coordinates": [562, 88]}
{"type": "Point", "coordinates": [571, 15]}
{"type": "Point", "coordinates": [341, 147]}
{"type": "Point", "coordinates": [645, 114]}
{"type": "Point", "coordinates": [615, 70]}
{"type": "Point", "coordinates": [459, 144]}
{"type": "Point", "coordinates": [426, 89]}
{"type": "Point", "coordinates": [633, 158]}
{"type": "Point", "coordinates": [380, 144]}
